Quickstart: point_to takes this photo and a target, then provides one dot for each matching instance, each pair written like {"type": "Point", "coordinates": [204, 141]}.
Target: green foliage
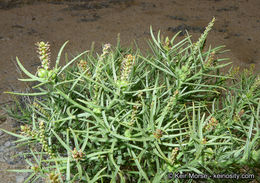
{"type": "Point", "coordinates": [124, 117]}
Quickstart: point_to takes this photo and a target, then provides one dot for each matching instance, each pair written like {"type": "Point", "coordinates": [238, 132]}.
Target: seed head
{"type": "Point", "coordinates": [44, 53]}
{"type": "Point", "coordinates": [241, 113]}
{"type": "Point", "coordinates": [77, 155]}
{"type": "Point", "coordinates": [210, 60]}
{"type": "Point", "coordinates": [234, 72]}
{"type": "Point", "coordinates": [211, 124]}
{"type": "Point", "coordinates": [256, 84]}
{"type": "Point", "coordinates": [54, 178]}
{"type": "Point", "coordinates": [158, 133]}
{"type": "Point", "coordinates": [202, 38]}
{"type": "Point", "coordinates": [83, 66]}
{"type": "Point", "coordinates": [106, 48]}
{"type": "Point", "coordinates": [174, 154]}
{"type": "Point", "coordinates": [126, 67]}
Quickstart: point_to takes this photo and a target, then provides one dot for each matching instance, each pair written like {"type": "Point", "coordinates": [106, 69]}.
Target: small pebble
{"type": "Point", "coordinates": [2, 157]}
{"type": "Point", "coordinates": [12, 162]}
{"type": "Point", "coordinates": [7, 144]}
{"type": "Point", "coordinates": [1, 132]}
{"type": "Point", "coordinates": [19, 179]}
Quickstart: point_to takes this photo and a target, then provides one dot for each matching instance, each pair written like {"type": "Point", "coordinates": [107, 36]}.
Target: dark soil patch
{"type": "Point", "coordinates": [18, 26]}
{"type": "Point", "coordinates": [231, 8]}
{"type": "Point", "coordinates": [184, 27]}
{"type": "Point", "coordinates": [91, 19]}
{"type": "Point", "coordinates": [87, 6]}
{"type": "Point", "coordinates": [176, 18]}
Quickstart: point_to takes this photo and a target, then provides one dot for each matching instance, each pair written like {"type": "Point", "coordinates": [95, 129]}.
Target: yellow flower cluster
{"type": "Point", "coordinates": [158, 133]}
{"type": "Point", "coordinates": [173, 100]}
{"type": "Point", "coordinates": [77, 155]}
{"type": "Point", "coordinates": [44, 54]}
{"type": "Point", "coordinates": [202, 38]}
{"type": "Point", "coordinates": [43, 140]}
{"type": "Point", "coordinates": [234, 72]}
{"type": "Point", "coordinates": [210, 60]}
{"type": "Point", "coordinates": [27, 131]}
{"type": "Point", "coordinates": [41, 110]}
{"type": "Point", "coordinates": [126, 67]}
{"type": "Point", "coordinates": [167, 44]}
{"type": "Point", "coordinates": [174, 154]}
{"type": "Point", "coordinates": [83, 66]}
{"type": "Point", "coordinates": [54, 178]}
{"type": "Point", "coordinates": [256, 84]}
{"type": "Point", "coordinates": [35, 168]}
{"type": "Point", "coordinates": [239, 115]}
{"type": "Point", "coordinates": [211, 124]}
{"type": "Point", "coordinates": [133, 116]}
{"type": "Point", "coordinates": [97, 75]}
{"type": "Point", "coordinates": [106, 47]}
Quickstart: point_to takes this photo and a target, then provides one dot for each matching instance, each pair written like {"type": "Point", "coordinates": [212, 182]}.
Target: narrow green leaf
{"type": "Point", "coordinates": [141, 171]}
{"type": "Point", "coordinates": [96, 177]}
{"type": "Point", "coordinates": [28, 94]}
{"type": "Point", "coordinates": [61, 141]}
{"type": "Point", "coordinates": [27, 72]}
{"type": "Point", "coordinates": [71, 62]}
{"type": "Point", "coordinates": [13, 134]}
{"type": "Point", "coordinates": [59, 55]}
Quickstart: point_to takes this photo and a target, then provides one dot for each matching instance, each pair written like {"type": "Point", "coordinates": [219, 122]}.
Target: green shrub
{"type": "Point", "coordinates": [124, 117]}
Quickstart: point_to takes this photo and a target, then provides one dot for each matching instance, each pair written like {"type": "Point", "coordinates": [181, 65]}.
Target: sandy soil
{"type": "Point", "coordinates": [22, 24]}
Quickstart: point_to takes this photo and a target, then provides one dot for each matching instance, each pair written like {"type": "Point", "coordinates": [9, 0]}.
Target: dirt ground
{"type": "Point", "coordinates": [82, 22]}
{"type": "Point", "coordinates": [23, 23]}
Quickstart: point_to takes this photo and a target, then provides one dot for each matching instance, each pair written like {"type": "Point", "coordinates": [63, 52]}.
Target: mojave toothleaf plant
{"type": "Point", "coordinates": [124, 117]}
